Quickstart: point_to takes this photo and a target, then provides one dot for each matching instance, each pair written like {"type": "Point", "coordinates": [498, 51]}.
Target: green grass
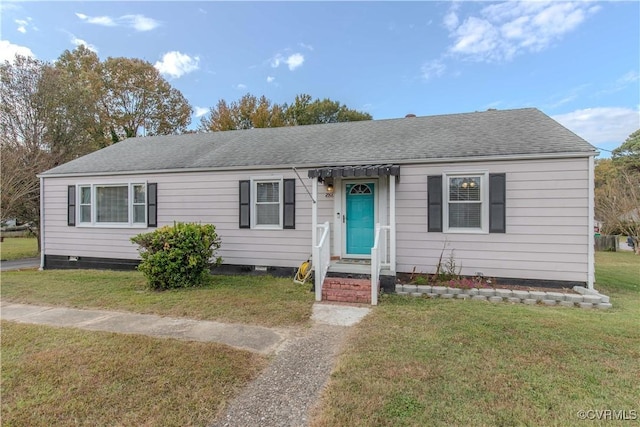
{"type": "Point", "coordinates": [18, 247]}
{"type": "Point", "coordinates": [416, 362]}
{"type": "Point", "coordinates": [256, 300]}
{"type": "Point", "coordinates": [64, 377]}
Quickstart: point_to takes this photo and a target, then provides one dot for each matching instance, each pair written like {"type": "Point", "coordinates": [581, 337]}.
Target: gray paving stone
{"type": "Point", "coordinates": [425, 289]}
{"type": "Point", "coordinates": [549, 302]}
{"type": "Point", "coordinates": [604, 298]}
{"type": "Point", "coordinates": [495, 299]}
{"type": "Point", "coordinates": [479, 298]}
{"type": "Point", "coordinates": [574, 298]}
{"type": "Point", "coordinates": [514, 300]}
{"type": "Point", "coordinates": [487, 292]}
{"type": "Point", "coordinates": [567, 303]}
{"type": "Point", "coordinates": [530, 301]}
{"type": "Point", "coordinates": [557, 296]}
{"type": "Point", "coordinates": [585, 305]}
{"type": "Point", "coordinates": [447, 296]}
{"type": "Point", "coordinates": [432, 295]}
{"type": "Point", "coordinates": [416, 294]}
{"type": "Point", "coordinates": [454, 291]}
{"type": "Point", "coordinates": [536, 295]}
{"type": "Point", "coordinates": [593, 299]}
{"type": "Point", "coordinates": [463, 296]}
{"type": "Point", "coordinates": [439, 289]}
{"type": "Point", "coordinates": [471, 292]}
{"type": "Point", "coordinates": [402, 293]}
{"type": "Point", "coordinates": [504, 293]}
{"type": "Point", "coordinates": [520, 294]}
{"type": "Point", "coordinates": [604, 306]}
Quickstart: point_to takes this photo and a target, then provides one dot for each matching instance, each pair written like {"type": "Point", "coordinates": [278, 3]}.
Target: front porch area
{"type": "Point", "coordinates": [355, 245]}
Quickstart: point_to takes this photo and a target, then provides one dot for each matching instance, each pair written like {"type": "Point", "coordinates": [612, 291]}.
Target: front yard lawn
{"type": "Point", "coordinates": [247, 299]}
{"type": "Point", "coordinates": [417, 362]}
{"type": "Point", "coordinates": [64, 377]}
{"type": "Point", "coordinates": [18, 247]}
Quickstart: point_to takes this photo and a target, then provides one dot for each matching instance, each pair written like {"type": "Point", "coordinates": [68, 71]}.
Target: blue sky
{"type": "Point", "coordinates": [578, 62]}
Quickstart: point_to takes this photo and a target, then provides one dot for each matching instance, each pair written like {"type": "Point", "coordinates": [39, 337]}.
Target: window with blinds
{"type": "Point", "coordinates": [466, 203]}
{"type": "Point", "coordinates": [268, 203]}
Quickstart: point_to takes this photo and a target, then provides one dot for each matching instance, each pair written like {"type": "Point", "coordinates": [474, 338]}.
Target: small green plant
{"type": "Point", "coordinates": [421, 280]}
{"type": "Point", "coordinates": [178, 256]}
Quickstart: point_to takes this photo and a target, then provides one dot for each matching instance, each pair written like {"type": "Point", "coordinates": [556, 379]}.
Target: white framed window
{"type": "Point", "coordinates": [267, 198]}
{"type": "Point", "coordinates": [466, 205]}
{"type": "Point", "coordinates": [85, 204]}
{"type": "Point", "coordinates": [113, 205]}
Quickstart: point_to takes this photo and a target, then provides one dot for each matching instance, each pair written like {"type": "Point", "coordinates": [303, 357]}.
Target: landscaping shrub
{"type": "Point", "coordinates": [178, 256]}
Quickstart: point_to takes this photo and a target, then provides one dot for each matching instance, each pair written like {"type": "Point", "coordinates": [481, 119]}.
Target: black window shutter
{"type": "Point", "coordinates": [434, 202]}
{"type": "Point", "coordinates": [245, 204]}
{"type": "Point", "coordinates": [71, 205]}
{"type": "Point", "coordinates": [152, 205]}
{"type": "Point", "coordinates": [497, 203]}
{"type": "Point", "coordinates": [289, 217]}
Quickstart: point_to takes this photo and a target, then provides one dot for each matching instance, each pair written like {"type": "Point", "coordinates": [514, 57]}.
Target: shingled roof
{"type": "Point", "coordinates": [490, 134]}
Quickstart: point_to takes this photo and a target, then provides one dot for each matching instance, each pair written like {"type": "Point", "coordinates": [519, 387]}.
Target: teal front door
{"type": "Point", "coordinates": [360, 218]}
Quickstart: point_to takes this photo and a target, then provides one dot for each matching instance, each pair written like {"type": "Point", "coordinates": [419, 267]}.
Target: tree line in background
{"type": "Point", "coordinates": [251, 112]}
{"type": "Point", "coordinates": [51, 113]}
{"type": "Point", "coordinates": [617, 190]}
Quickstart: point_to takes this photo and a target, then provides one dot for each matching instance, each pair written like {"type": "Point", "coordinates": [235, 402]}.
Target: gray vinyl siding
{"type": "Point", "coordinates": [188, 197]}
{"type": "Point", "coordinates": [546, 237]}
{"type": "Point", "coordinates": [547, 217]}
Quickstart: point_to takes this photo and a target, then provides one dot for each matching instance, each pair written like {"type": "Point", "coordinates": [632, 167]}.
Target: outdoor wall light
{"type": "Point", "coordinates": [330, 187]}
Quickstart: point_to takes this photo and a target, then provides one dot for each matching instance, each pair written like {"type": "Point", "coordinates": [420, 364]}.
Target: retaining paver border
{"type": "Point", "coordinates": [584, 298]}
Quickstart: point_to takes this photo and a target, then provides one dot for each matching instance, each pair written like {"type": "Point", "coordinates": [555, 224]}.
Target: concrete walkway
{"type": "Point", "coordinates": [257, 339]}
{"type": "Point", "coordinates": [283, 395]}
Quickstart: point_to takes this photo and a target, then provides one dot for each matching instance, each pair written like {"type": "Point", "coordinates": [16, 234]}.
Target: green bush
{"type": "Point", "coordinates": [178, 256]}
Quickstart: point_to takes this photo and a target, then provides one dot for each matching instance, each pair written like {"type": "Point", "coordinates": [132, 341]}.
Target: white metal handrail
{"type": "Point", "coordinates": [379, 257]}
{"type": "Point", "coordinates": [321, 259]}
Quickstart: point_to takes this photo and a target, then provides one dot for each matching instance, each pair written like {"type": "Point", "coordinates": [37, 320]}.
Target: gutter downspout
{"type": "Point", "coordinates": [41, 224]}
{"type": "Point", "coordinates": [591, 249]}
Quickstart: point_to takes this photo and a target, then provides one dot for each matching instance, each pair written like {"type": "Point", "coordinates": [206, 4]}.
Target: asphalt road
{"type": "Point", "coordinates": [19, 264]}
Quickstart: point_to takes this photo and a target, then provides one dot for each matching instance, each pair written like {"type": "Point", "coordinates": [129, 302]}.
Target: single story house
{"type": "Point", "coordinates": [510, 192]}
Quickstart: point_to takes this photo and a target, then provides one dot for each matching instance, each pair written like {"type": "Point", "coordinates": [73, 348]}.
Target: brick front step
{"type": "Point", "coordinates": [346, 290]}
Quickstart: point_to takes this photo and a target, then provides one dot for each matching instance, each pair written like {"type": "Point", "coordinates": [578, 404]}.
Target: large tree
{"type": "Point", "coordinates": [304, 111]}
{"type": "Point", "coordinates": [23, 144]}
{"type": "Point", "coordinates": [129, 97]}
{"type": "Point", "coordinates": [250, 112]}
{"type": "Point", "coordinates": [52, 113]}
{"type": "Point", "coordinates": [617, 190]}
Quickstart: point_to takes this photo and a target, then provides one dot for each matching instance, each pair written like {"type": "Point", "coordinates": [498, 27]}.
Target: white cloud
{"type": "Point", "coordinates": [176, 64]}
{"type": "Point", "coordinates": [79, 42]}
{"type": "Point", "coordinates": [294, 61]}
{"type": "Point", "coordinates": [8, 51]}
{"type": "Point", "coordinates": [22, 25]}
{"type": "Point", "coordinates": [602, 125]}
{"type": "Point", "coordinates": [241, 86]}
{"type": "Point", "coordinates": [432, 69]}
{"type": "Point", "coordinates": [200, 111]}
{"type": "Point", "coordinates": [270, 79]}
{"type": "Point", "coordinates": [305, 46]}
{"type": "Point", "coordinates": [137, 22]}
{"type": "Point", "coordinates": [97, 20]}
{"type": "Point", "coordinates": [140, 22]}
{"type": "Point", "coordinates": [506, 29]}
